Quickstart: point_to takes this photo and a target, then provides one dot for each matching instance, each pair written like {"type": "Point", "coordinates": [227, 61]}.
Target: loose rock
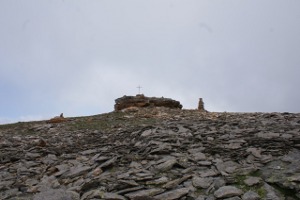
{"type": "Point", "coordinates": [228, 191]}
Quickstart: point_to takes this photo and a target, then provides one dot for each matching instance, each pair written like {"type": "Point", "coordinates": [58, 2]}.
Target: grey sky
{"type": "Point", "coordinates": [76, 57]}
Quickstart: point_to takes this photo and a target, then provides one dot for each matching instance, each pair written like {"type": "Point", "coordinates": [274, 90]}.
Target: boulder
{"type": "Point", "coordinates": [140, 101]}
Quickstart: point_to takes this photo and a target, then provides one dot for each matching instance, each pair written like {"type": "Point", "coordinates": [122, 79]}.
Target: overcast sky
{"type": "Point", "coordinates": [77, 57]}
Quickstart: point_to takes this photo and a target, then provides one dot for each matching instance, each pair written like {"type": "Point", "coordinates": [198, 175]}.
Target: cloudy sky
{"type": "Point", "coordinates": [76, 57]}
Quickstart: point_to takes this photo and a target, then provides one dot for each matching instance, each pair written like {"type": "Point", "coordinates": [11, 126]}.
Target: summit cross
{"type": "Point", "coordinates": [139, 87]}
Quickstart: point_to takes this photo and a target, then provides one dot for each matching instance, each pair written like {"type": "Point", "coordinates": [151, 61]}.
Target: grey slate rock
{"type": "Point", "coordinates": [272, 193]}
{"type": "Point", "coordinates": [173, 194]}
{"type": "Point", "coordinates": [57, 194]}
{"type": "Point", "coordinates": [228, 191]}
{"type": "Point", "coordinates": [176, 182]}
{"type": "Point", "coordinates": [112, 196]}
{"type": "Point", "coordinates": [147, 192]}
{"type": "Point", "coordinates": [76, 171]}
{"type": "Point", "coordinates": [167, 165]}
{"type": "Point", "coordinates": [185, 153]}
{"type": "Point", "coordinates": [233, 198]}
{"type": "Point", "coordinates": [200, 182]}
{"type": "Point", "coordinates": [250, 195]}
{"type": "Point", "coordinates": [250, 181]}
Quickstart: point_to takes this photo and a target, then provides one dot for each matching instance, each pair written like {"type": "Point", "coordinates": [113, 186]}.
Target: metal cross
{"type": "Point", "coordinates": [139, 87]}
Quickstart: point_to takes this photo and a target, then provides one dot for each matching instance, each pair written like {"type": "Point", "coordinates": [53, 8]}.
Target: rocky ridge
{"type": "Point", "coordinates": [156, 153]}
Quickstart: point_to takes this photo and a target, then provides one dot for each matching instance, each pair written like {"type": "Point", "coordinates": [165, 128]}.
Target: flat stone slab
{"type": "Point", "coordinates": [200, 182]}
{"type": "Point", "coordinates": [167, 165]}
{"type": "Point", "coordinates": [147, 192]}
{"type": "Point", "coordinates": [173, 194]}
{"type": "Point", "coordinates": [228, 191]}
{"type": "Point", "coordinates": [250, 181]}
{"type": "Point", "coordinates": [250, 195]}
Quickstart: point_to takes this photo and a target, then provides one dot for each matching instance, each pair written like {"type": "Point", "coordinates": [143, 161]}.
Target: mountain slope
{"type": "Point", "coordinates": [153, 153]}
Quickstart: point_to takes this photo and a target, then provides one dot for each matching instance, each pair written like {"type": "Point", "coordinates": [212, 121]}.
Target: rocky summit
{"type": "Point", "coordinates": [141, 101]}
{"type": "Point", "coordinates": [153, 153]}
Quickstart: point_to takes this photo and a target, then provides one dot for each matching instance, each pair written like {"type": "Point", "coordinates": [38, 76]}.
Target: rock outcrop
{"type": "Point", "coordinates": [57, 119]}
{"type": "Point", "coordinates": [142, 101]}
{"type": "Point", "coordinates": [153, 154]}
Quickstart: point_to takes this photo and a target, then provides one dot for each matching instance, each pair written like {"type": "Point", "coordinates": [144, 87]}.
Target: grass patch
{"type": "Point", "coordinates": [256, 173]}
{"type": "Point", "coordinates": [261, 192]}
{"type": "Point", "coordinates": [18, 125]}
{"type": "Point", "coordinates": [200, 191]}
{"type": "Point", "coordinates": [239, 179]}
{"type": "Point", "coordinates": [19, 128]}
{"type": "Point", "coordinates": [109, 122]}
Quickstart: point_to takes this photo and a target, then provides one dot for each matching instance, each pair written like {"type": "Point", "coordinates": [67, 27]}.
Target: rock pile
{"type": "Point", "coordinates": [201, 105]}
{"type": "Point", "coordinates": [160, 154]}
{"type": "Point", "coordinates": [57, 119]}
{"type": "Point", "coordinates": [143, 101]}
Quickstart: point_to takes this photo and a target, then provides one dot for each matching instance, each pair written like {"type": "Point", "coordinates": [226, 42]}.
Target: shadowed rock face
{"type": "Point", "coordinates": [143, 101]}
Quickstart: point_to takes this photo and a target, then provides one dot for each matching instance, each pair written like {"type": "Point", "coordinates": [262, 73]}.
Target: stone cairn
{"type": "Point", "coordinates": [141, 101]}
{"type": "Point", "coordinates": [201, 105]}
